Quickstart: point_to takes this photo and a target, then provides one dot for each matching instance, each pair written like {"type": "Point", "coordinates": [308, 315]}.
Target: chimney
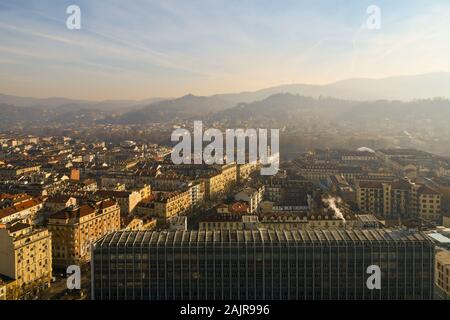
{"type": "Point", "coordinates": [75, 174]}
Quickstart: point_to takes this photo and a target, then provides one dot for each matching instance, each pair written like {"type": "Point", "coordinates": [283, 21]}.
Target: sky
{"type": "Point", "coordinates": [167, 48]}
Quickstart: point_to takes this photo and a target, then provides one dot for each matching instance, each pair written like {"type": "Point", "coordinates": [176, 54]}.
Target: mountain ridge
{"type": "Point", "coordinates": [427, 85]}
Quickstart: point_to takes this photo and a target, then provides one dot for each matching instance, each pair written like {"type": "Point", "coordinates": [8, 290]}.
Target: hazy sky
{"type": "Point", "coordinates": [162, 48]}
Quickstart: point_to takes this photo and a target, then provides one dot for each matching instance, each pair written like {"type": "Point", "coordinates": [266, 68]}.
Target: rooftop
{"type": "Point", "coordinates": [173, 238]}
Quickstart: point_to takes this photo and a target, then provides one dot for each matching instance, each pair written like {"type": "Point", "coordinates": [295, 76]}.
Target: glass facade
{"type": "Point", "coordinates": [272, 265]}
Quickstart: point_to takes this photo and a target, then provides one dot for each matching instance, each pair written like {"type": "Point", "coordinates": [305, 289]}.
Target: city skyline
{"type": "Point", "coordinates": [224, 157]}
{"type": "Point", "coordinates": [172, 48]}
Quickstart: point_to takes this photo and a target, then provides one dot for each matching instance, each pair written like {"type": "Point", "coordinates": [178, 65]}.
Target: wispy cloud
{"type": "Point", "coordinates": [146, 48]}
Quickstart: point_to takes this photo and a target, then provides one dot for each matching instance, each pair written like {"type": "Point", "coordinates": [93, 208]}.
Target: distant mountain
{"type": "Point", "coordinates": [56, 102]}
{"type": "Point", "coordinates": [295, 101]}
{"type": "Point", "coordinates": [71, 113]}
{"type": "Point", "coordinates": [289, 109]}
{"type": "Point", "coordinates": [123, 106]}
{"type": "Point", "coordinates": [11, 116]}
{"type": "Point", "coordinates": [279, 109]}
{"type": "Point", "coordinates": [406, 88]}
{"type": "Point", "coordinates": [285, 107]}
{"type": "Point", "coordinates": [187, 107]}
{"type": "Point", "coordinates": [37, 102]}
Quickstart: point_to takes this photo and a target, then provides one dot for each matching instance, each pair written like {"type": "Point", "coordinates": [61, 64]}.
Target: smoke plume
{"type": "Point", "coordinates": [333, 202]}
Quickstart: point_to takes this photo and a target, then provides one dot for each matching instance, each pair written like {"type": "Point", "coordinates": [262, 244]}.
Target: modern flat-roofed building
{"type": "Point", "coordinates": [246, 265]}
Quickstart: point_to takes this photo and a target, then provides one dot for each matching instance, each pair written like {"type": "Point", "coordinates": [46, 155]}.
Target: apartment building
{"type": "Point", "coordinates": [321, 171]}
{"type": "Point", "coordinates": [305, 221]}
{"type": "Point", "coordinates": [13, 171]}
{"type": "Point", "coordinates": [278, 221]}
{"type": "Point", "coordinates": [288, 191]}
{"type": "Point", "coordinates": [218, 183]}
{"type": "Point", "coordinates": [74, 229]}
{"type": "Point", "coordinates": [170, 204]}
{"type": "Point", "coordinates": [399, 199]}
{"type": "Point", "coordinates": [24, 208]}
{"type": "Point", "coordinates": [8, 289]}
{"type": "Point", "coordinates": [229, 173]}
{"type": "Point", "coordinates": [9, 200]}
{"type": "Point", "coordinates": [357, 156]}
{"type": "Point", "coordinates": [137, 224]}
{"type": "Point", "coordinates": [252, 196]}
{"type": "Point", "coordinates": [2, 290]}
{"type": "Point", "coordinates": [197, 191]}
{"type": "Point", "coordinates": [233, 208]}
{"type": "Point", "coordinates": [146, 207]}
{"type": "Point", "coordinates": [245, 170]}
{"type": "Point", "coordinates": [25, 257]}
{"type": "Point", "coordinates": [214, 186]}
{"type": "Point", "coordinates": [59, 202]}
{"type": "Point", "coordinates": [222, 221]}
{"type": "Point", "coordinates": [429, 204]}
{"type": "Point", "coordinates": [442, 273]}
{"type": "Point", "coordinates": [127, 200]}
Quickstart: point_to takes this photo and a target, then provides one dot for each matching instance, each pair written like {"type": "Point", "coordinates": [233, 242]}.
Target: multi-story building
{"type": "Point", "coordinates": [429, 203]}
{"type": "Point", "coordinates": [217, 221]}
{"type": "Point", "coordinates": [137, 224]}
{"type": "Point", "coordinates": [2, 290]}
{"type": "Point", "coordinates": [111, 181]}
{"type": "Point", "coordinates": [399, 199]}
{"type": "Point", "coordinates": [317, 172]}
{"type": "Point", "coordinates": [127, 200]}
{"type": "Point", "coordinates": [442, 274]}
{"type": "Point", "coordinates": [13, 171]}
{"type": "Point", "coordinates": [213, 185]}
{"type": "Point", "coordinates": [197, 191]}
{"type": "Point", "coordinates": [305, 221]}
{"type": "Point", "coordinates": [279, 221]}
{"type": "Point", "coordinates": [229, 173]}
{"type": "Point", "coordinates": [9, 200]}
{"type": "Point", "coordinates": [288, 191]}
{"type": "Point", "coordinates": [406, 162]}
{"type": "Point", "coordinates": [74, 229]}
{"type": "Point", "coordinates": [146, 207]}
{"type": "Point", "coordinates": [8, 289]}
{"type": "Point", "coordinates": [26, 257]}
{"type": "Point", "coordinates": [245, 170]}
{"type": "Point", "coordinates": [217, 183]}
{"type": "Point", "coordinates": [338, 184]}
{"type": "Point", "coordinates": [264, 265]}
{"type": "Point", "coordinates": [24, 210]}
{"type": "Point", "coordinates": [59, 202]}
{"type": "Point", "coordinates": [358, 156]}
{"type": "Point", "coordinates": [252, 196]}
{"type": "Point", "coordinates": [170, 204]}
{"type": "Point", "coordinates": [237, 207]}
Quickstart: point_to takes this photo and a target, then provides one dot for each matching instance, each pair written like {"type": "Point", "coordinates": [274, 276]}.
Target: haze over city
{"type": "Point", "coordinates": [228, 157]}
{"type": "Point", "coordinates": [172, 48]}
